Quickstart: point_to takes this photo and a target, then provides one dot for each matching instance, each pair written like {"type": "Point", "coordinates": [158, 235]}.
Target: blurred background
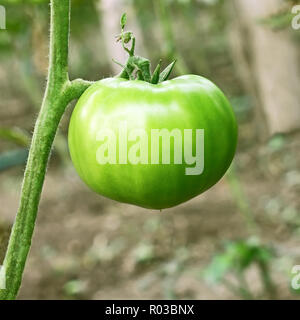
{"type": "Point", "coordinates": [240, 239]}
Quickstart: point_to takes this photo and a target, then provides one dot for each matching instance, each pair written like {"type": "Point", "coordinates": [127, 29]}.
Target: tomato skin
{"type": "Point", "coordinates": [186, 102]}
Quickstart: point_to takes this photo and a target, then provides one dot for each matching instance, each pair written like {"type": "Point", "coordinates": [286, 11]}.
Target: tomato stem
{"type": "Point", "coordinates": [59, 92]}
{"type": "Point", "coordinates": [140, 65]}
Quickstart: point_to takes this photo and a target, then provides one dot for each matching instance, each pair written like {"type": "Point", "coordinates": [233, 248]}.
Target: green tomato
{"type": "Point", "coordinates": [154, 146]}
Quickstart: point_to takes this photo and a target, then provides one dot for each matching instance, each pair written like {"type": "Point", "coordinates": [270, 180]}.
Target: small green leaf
{"type": "Point", "coordinates": [166, 73]}
{"type": "Point", "coordinates": [155, 76]}
{"type": "Point", "coordinates": [123, 21]}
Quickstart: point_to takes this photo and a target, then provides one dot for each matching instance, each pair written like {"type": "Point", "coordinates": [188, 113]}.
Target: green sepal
{"type": "Point", "coordinates": [155, 75]}
{"type": "Point", "coordinates": [166, 73]}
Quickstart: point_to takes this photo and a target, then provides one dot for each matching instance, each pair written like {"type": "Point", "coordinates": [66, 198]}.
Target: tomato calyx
{"type": "Point", "coordinates": [139, 68]}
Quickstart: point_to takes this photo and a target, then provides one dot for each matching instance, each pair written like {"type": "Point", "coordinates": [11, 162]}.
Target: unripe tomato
{"type": "Point", "coordinates": [154, 146]}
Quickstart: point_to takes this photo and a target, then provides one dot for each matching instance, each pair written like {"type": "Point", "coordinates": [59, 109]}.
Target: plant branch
{"type": "Point", "coordinates": [59, 92]}
{"type": "Point", "coordinates": [59, 42]}
{"type": "Point", "coordinates": [75, 88]}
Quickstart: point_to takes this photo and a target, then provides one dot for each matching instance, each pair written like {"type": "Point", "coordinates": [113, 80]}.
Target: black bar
{"type": "Point", "coordinates": [156, 309]}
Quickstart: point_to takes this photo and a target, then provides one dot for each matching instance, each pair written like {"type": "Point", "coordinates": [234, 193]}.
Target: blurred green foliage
{"type": "Point", "coordinates": [15, 135]}
{"type": "Point", "coordinates": [236, 258]}
{"type": "Point", "coordinates": [20, 19]}
{"type": "Point", "coordinates": [13, 158]}
{"type": "Point", "coordinates": [278, 21]}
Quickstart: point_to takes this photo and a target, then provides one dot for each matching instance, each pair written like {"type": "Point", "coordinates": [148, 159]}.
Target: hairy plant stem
{"type": "Point", "coordinates": [59, 92]}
